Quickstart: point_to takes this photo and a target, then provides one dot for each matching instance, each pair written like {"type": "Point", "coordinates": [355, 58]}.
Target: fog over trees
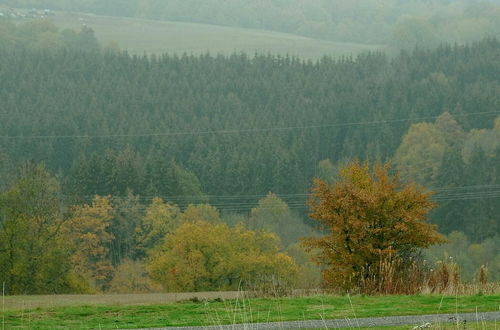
{"type": "Point", "coordinates": [389, 22]}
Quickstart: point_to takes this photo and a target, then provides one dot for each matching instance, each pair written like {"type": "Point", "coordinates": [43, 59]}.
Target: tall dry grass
{"type": "Point", "coordinates": [395, 276]}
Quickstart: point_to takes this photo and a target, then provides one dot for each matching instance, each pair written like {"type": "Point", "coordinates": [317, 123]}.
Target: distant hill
{"type": "Point", "coordinates": [401, 23]}
{"type": "Point", "coordinates": [140, 36]}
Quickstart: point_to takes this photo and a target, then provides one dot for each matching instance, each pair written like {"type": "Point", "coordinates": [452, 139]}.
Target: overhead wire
{"type": "Point", "coordinates": [297, 201]}
{"type": "Point", "coordinates": [237, 202]}
{"type": "Point", "coordinates": [237, 131]}
{"type": "Point", "coordinates": [286, 197]}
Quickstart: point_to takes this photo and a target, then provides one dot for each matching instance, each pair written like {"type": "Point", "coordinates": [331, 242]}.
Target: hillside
{"type": "Point", "coordinates": [244, 126]}
{"type": "Point", "coordinates": [192, 38]}
{"type": "Point", "coordinates": [389, 22]}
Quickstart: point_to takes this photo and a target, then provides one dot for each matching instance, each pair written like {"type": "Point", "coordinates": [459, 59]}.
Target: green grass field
{"type": "Point", "coordinates": [139, 36]}
{"type": "Point", "coordinates": [217, 312]}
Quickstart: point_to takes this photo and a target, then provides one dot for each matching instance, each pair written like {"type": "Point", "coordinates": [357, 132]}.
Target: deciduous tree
{"type": "Point", "coordinates": [273, 214]}
{"type": "Point", "coordinates": [421, 153]}
{"type": "Point", "coordinates": [370, 219]}
{"type": "Point", "coordinates": [201, 255]}
{"type": "Point", "coordinates": [34, 257]}
{"type": "Point", "coordinates": [160, 219]}
{"type": "Point", "coordinates": [88, 229]}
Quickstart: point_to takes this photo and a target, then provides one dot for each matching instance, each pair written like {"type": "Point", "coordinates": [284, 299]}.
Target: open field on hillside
{"type": "Point", "coordinates": [139, 36]}
{"type": "Point", "coordinates": [217, 311]}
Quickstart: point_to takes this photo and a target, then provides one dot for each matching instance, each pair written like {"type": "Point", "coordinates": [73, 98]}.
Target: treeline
{"type": "Point", "coordinates": [111, 244]}
{"type": "Point", "coordinates": [42, 34]}
{"type": "Point", "coordinates": [49, 244]}
{"type": "Point", "coordinates": [462, 167]}
{"type": "Point", "coordinates": [391, 22]}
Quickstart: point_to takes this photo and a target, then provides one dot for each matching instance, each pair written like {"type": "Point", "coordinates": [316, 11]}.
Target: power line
{"type": "Point", "coordinates": [279, 195]}
{"type": "Point", "coordinates": [297, 201]}
{"type": "Point", "coordinates": [464, 187]}
{"type": "Point", "coordinates": [302, 206]}
{"type": "Point", "coordinates": [238, 131]}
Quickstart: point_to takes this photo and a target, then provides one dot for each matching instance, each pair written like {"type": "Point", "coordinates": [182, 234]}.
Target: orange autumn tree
{"type": "Point", "coordinates": [88, 230]}
{"type": "Point", "coordinates": [375, 227]}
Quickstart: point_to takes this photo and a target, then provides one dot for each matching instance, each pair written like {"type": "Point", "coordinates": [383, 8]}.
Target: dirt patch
{"type": "Point", "coordinates": [47, 301]}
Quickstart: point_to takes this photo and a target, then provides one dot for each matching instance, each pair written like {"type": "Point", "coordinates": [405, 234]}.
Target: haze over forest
{"type": "Point", "coordinates": [235, 138]}
{"type": "Point", "coordinates": [396, 23]}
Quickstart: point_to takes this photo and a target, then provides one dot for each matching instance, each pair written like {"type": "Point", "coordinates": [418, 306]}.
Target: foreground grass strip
{"type": "Point", "coordinates": [245, 311]}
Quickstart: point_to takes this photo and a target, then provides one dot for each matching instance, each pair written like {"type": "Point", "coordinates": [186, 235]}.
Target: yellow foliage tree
{"type": "Point", "coordinates": [420, 155]}
{"type": "Point", "coordinates": [422, 150]}
{"type": "Point", "coordinates": [202, 256]}
{"type": "Point", "coordinates": [160, 219]}
{"type": "Point", "coordinates": [202, 212]}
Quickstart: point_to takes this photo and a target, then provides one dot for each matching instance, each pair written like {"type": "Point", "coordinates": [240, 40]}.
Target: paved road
{"type": "Point", "coordinates": [413, 322]}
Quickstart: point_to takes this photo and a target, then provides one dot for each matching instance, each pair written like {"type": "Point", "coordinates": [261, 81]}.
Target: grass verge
{"type": "Point", "coordinates": [217, 312]}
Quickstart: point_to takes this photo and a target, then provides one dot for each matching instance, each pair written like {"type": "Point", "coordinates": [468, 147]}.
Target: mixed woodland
{"type": "Point", "coordinates": [122, 172]}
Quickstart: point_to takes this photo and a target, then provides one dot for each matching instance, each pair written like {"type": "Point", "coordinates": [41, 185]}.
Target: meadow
{"type": "Point", "coordinates": [139, 36]}
{"type": "Point", "coordinates": [218, 311]}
